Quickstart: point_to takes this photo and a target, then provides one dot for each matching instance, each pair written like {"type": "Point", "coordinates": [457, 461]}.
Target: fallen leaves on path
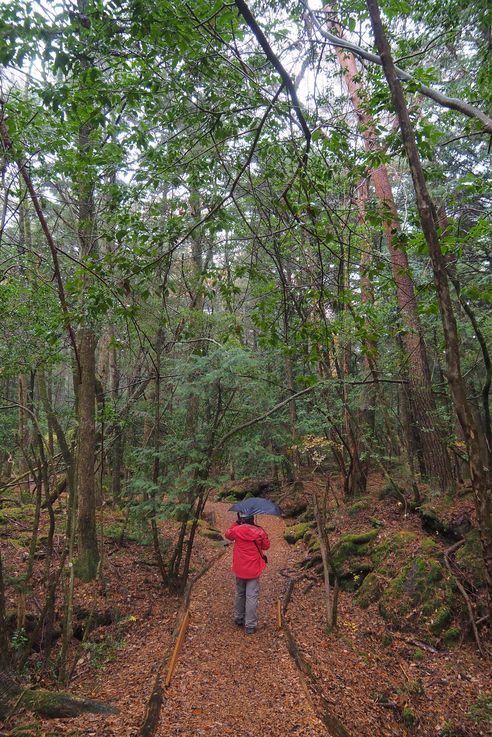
{"type": "Point", "coordinates": [228, 682]}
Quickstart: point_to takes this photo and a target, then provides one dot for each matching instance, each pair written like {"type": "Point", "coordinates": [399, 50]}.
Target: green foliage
{"type": "Point", "coordinates": [104, 652]}
{"type": "Point", "coordinates": [19, 639]}
{"type": "Point", "coordinates": [409, 717]}
{"type": "Point", "coordinates": [450, 730]}
{"type": "Point", "coordinates": [481, 710]}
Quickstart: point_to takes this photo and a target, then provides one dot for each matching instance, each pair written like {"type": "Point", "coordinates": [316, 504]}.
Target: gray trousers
{"type": "Point", "coordinates": [247, 591]}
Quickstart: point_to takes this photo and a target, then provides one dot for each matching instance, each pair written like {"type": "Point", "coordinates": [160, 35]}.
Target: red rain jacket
{"type": "Point", "coordinates": [246, 560]}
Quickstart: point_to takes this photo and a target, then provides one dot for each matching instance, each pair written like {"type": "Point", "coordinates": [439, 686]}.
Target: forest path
{"type": "Point", "coordinates": [230, 683]}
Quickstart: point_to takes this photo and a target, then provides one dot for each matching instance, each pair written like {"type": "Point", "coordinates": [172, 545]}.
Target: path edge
{"type": "Point", "coordinates": [156, 700]}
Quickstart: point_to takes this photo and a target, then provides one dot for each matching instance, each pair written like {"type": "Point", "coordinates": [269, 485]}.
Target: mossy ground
{"type": "Point", "coordinates": [16, 513]}
{"type": "Point", "coordinates": [470, 560]}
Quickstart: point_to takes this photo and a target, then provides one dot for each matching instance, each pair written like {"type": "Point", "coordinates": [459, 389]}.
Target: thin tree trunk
{"type": "Point", "coordinates": [5, 659]}
{"type": "Point", "coordinates": [118, 439]}
{"type": "Point", "coordinates": [24, 438]}
{"type": "Point", "coordinates": [331, 596]}
{"type": "Point", "coordinates": [54, 422]}
{"type": "Point", "coordinates": [88, 552]}
{"type": "Point", "coordinates": [156, 433]}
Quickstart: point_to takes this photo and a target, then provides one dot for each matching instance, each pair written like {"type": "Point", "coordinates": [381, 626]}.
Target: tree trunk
{"type": "Point", "coordinates": [331, 597]}
{"type": "Point", "coordinates": [24, 437]}
{"type": "Point", "coordinates": [118, 438]}
{"type": "Point", "coordinates": [54, 422]}
{"type": "Point", "coordinates": [475, 441]}
{"type": "Point", "coordinates": [88, 554]}
{"type": "Point", "coordinates": [153, 438]}
{"type": "Point", "coordinates": [4, 639]}
{"type": "Point", "coordinates": [435, 459]}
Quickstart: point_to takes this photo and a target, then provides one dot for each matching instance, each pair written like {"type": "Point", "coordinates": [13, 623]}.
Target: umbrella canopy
{"type": "Point", "coordinates": [256, 505]}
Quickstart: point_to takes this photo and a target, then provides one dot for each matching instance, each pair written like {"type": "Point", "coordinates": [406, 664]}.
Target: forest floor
{"type": "Point", "coordinates": [229, 683]}
{"type": "Point", "coordinates": [226, 682]}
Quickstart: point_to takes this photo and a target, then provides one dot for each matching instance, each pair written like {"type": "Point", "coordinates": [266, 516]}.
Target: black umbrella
{"type": "Point", "coordinates": [256, 505]}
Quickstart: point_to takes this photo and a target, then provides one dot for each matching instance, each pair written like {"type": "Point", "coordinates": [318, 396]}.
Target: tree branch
{"type": "Point", "coordinates": [301, 393]}
{"type": "Point", "coordinates": [277, 64]}
{"type": "Point", "coordinates": [452, 103]}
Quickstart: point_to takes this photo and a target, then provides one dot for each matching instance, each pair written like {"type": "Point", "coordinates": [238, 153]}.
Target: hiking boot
{"type": "Point", "coordinates": [250, 630]}
{"type": "Point", "coordinates": [239, 623]}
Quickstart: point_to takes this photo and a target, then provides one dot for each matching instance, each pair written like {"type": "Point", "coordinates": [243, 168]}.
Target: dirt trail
{"type": "Point", "coordinates": [230, 683]}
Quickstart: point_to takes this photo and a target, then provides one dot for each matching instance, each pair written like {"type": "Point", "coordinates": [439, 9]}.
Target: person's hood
{"type": "Point", "coordinates": [247, 532]}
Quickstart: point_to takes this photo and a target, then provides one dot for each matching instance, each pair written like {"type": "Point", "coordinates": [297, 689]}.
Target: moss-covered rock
{"type": "Point", "coordinates": [359, 506]}
{"type": "Point", "coordinates": [307, 516]}
{"type": "Point", "coordinates": [440, 620]}
{"type": "Point", "coordinates": [311, 541]}
{"type": "Point", "coordinates": [199, 522]}
{"type": "Point", "coordinates": [350, 546]}
{"type": "Point", "coordinates": [391, 490]}
{"type": "Point", "coordinates": [369, 591]}
{"type": "Point", "coordinates": [420, 596]}
{"type": "Point", "coordinates": [296, 532]}
{"type": "Point", "coordinates": [376, 523]}
{"type": "Point", "coordinates": [430, 519]}
{"type": "Point", "coordinates": [429, 546]}
{"type": "Point", "coordinates": [395, 544]}
{"type": "Point", "coordinates": [451, 635]}
{"type": "Point", "coordinates": [360, 538]}
{"type": "Point", "coordinates": [351, 558]}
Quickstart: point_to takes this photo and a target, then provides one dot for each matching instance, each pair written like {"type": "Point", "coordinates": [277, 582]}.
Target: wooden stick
{"type": "Point", "coordinates": [179, 642]}
{"type": "Point", "coordinates": [288, 595]}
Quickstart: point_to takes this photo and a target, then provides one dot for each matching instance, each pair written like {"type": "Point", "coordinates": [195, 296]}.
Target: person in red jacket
{"type": "Point", "coordinates": [248, 562]}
